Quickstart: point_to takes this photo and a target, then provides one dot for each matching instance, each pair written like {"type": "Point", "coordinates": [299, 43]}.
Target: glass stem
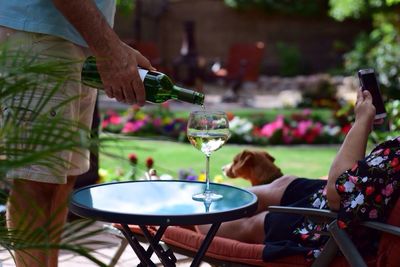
{"type": "Point", "coordinates": [207, 173]}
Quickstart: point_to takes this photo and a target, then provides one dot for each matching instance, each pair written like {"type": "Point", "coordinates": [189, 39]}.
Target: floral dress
{"type": "Point", "coordinates": [368, 191]}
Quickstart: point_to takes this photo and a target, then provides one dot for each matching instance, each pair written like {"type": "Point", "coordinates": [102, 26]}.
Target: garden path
{"type": "Point", "coordinates": [251, 96]}
{"type": "Point", "coordinates": [267, 93]}
{"type": "Point", "coordinates": [102, 252]}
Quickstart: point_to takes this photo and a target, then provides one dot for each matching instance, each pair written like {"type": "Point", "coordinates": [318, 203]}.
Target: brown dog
{"type": "Point", "coordinates": [256, 166]}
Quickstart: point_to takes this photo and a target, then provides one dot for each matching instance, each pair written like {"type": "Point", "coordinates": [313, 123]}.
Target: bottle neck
{"type": "Point", "coordinates": [187, 95]}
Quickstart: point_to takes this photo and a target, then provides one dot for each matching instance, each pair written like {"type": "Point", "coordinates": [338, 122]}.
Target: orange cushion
{"type": "Point", "coordinates": [227, 249]}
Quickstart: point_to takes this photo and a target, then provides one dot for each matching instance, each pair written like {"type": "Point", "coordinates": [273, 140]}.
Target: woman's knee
{"type": "Point", "coordinates": [271, 194]}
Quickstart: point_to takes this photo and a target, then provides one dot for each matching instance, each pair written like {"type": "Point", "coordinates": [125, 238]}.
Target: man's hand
{"type": "Point", "coordinates": [119, 74]}
{"type": "Point", "coordinates": [116, 62]}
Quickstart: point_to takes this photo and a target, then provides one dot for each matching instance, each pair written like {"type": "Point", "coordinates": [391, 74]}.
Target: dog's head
{"type": "Point", "coordinates": [256, 166]}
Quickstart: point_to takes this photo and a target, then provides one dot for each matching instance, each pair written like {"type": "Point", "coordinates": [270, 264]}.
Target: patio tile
{"type": "Point", "coordinates": [103, 252]}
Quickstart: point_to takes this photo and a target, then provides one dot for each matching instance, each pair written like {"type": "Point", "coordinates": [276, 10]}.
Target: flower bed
{"type": "Point", "coordinates": [301, 127]}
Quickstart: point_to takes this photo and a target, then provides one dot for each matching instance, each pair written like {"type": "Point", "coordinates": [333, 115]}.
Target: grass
{"type": "Point", "coordinates": [170, 157]}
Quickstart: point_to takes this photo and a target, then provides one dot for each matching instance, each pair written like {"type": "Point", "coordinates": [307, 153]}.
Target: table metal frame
{"type": "Point", "coordinates": [165, 255]}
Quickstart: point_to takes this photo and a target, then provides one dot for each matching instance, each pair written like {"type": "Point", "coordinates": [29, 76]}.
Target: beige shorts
{"type": "Point", "coordinates": [79, 110]}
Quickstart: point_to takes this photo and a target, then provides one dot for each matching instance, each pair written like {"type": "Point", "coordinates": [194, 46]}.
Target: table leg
{"type": "Point", "coordinates": [166, 257]}
{"type": "Point", "coordinates": [156, 238]}
{"type": "Point", "coordinates": [139, 250]}
{"type": "Point", "coordinates": [206, 243]}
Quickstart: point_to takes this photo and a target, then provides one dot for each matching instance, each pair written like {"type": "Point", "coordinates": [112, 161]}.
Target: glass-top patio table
{"type": "Point", "coordinates": [161, 203]}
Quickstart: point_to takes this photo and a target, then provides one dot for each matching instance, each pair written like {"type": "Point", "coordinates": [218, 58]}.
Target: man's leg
{"type": "Point", "coordinates": [59, 210]}
{"type": "Point", "coordinates": [31, 205]}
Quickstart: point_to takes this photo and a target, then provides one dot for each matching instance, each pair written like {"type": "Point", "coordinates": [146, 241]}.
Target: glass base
{"type": "Point", "coordinates": [207, 197]}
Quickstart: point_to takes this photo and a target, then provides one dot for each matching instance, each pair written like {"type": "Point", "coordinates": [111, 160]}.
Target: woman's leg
{"type": "Point", "coordinates": [251, 229]}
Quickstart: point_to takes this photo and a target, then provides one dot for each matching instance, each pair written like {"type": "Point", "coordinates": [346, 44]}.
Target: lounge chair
{"type": "Point", "coordinates": [242, 65]}
{"type": "Point", "coordinates": [339, 250]}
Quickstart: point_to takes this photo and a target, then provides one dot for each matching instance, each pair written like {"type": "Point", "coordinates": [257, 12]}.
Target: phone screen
{"type": "Point", "coordinates": [369, 82]}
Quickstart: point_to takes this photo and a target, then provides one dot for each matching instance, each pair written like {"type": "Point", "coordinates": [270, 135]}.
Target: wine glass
{"type": "Point", "coordinates": [208, 131]}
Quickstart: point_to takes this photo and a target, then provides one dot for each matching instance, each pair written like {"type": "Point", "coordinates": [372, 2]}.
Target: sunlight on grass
{"type": "Point", "coordinates": [170, 157]}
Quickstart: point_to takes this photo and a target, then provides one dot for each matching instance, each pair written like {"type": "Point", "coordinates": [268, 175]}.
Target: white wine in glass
{"type": "Point", "coordinates": [208, 131]}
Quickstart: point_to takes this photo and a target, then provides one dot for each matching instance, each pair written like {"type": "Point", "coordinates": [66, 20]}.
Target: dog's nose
{"type": "Point", "coordinates": [225, 168]}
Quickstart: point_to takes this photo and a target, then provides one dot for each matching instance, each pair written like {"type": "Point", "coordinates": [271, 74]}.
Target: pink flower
{"type": "Point", "coordinates": [105, 123]}
{"type": "Point", "coordinates": [157, 122]}
{"type": "Point", "coordinates": [303, 126]}
{"type": "Point", "coordinates": [115, 119]}
{"type": "Point", "coordinates": [373, 214]}
{"type": "Point", "coordinates": [269, 129]}
{"type": "Point", "coordinates": [307, 112]}
{"type": "Point", "coordinates": [388, 190]}
{"type": "Point", "coordinates": [353, 179]}
{"type": "Point", "coordinates": [286, 135]}
{"type": "Point", "coordinates": [132, 126]}
{"type": "Point", "coordinates": [165, 105]}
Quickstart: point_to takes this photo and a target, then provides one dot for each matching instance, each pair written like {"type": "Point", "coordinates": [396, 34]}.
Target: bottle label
{"type": "Point", "coordinates": [142, 73]}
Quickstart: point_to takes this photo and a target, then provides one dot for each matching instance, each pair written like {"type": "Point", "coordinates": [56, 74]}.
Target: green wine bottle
{"type": "Point", "coordinates": [159, 87]}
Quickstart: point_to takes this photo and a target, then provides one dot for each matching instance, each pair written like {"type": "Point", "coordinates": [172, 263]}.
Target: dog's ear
{"type": "Point", "coordinates": [271, 158]}
{"type": "Point", "coordinates": [242, 161]}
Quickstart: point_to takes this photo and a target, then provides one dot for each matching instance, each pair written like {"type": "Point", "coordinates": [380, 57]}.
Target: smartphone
{"type": "Point", "coordinates": [368, 81]}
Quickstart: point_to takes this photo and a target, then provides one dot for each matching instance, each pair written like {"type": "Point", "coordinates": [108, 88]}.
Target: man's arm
{"type": "Point", "coordinates": [117, 62]}
{"type": "Point", "coordinates": [354, 145]}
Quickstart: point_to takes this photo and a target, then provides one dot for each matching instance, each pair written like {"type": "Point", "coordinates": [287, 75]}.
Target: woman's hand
{"type": "Point", "coordinates": [364, 109]}
{"type": "Point", "coordinates": [354, 145]}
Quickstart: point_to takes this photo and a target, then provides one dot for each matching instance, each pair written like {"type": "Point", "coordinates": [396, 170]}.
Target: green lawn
{"type": "Point", "coordinates": [170, 157]}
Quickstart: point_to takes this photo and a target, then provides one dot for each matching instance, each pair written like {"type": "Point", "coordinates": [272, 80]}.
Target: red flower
{"type": "Point", "coordinates": [135, 107]}
{"type": "Point", "coordinates": [386, 152]}
{"type": "Point", "coordinates": [133, 158]}
{"type": "Point", "coordinates": [378, 199]}
{"type": "Point", "coordinates": [149, 162]}
{"type": "Point", "coordinates": [394, 162]}
{"type": "Point", "coordinates": [230, 116]}
{"type": "Point", "coordinates": [369, 190]}
{"type": "Point", "coordinates": [346, 128]}
{"type": "Point", "coordinates": [304, 236]}
{"type": "Point", "coordinates": [340, 188]}
{"type": "Point", "coordinates": [341, 224]}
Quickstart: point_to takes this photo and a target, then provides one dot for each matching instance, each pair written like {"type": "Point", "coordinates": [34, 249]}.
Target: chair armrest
{"type": "Point", "coordinates": [387, 228]}
{"type": "Point", "coordinates": [346, 245]}
{"type": "Point", "coordinates": [304, 211]}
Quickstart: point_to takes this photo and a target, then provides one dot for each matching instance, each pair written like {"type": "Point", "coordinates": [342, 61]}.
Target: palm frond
{"type": "Point", "coordinates": [30, 134]}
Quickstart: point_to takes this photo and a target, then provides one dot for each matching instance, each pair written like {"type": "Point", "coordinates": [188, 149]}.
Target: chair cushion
{"type": "Point", "coordinates": [227, 250]}
{"type": "Point", "coordinates": [389, 247]}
